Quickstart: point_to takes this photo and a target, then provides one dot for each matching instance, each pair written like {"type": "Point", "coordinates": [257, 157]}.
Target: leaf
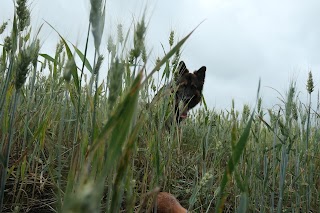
{"type": "Point", "coordinates": [74, 72]}
{"type": "Point", "coordinates": [114, 136]}
{"type": "Point", "coordinates": [83, 59]}
{"type": "Point", "coordinates": [243, 207]}
{"type": "Point", "coordinates": [234, 159]}
{"type": "Point", "coordinates": [124, 163]}
{"type": "Point", "coordinates": [48, 57]}
{"type": "Point", "coordinates": [166, 72]}
{"type": "Point", "coordinates": [195, 190]}
{"type": "Point", "coordinates": [204, 103]}
{"type": "Point", "coordinates": [237, 151]}
{"type": "Point", "coordinates": [40, 132]}
{"type": "Point", "coordinates": [119, 124]}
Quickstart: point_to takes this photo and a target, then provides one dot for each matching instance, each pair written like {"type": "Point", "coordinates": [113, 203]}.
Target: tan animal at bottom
{"type": "Point", "coordinates": [167, 203]}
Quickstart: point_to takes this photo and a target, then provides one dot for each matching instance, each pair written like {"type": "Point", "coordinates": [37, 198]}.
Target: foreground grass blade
{"type": "Point", "coordinates": [74, 72]}
{"type": "Point", "coordinates": [83, 59]}
{"type": "Point", "coordinates": [233, 161]}
{"type": "Point", "coordinates": [113, 138]}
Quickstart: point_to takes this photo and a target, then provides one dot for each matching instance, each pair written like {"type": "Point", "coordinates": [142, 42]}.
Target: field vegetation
{"type": "Point", "coordinates": [72, 142]}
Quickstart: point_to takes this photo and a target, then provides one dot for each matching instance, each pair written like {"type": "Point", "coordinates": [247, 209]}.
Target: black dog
{"type": "Point", "coordinates": [186, 88]}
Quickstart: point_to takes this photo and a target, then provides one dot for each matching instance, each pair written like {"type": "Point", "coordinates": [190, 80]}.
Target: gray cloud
{"type": "Point", "coordinates": [239, 42]}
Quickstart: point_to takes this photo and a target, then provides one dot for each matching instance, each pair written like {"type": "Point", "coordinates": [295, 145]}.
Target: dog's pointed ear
{"type": "Point", "coordinates": [182, 68]}
{"type": "Point", "coordinates": [201, 73]}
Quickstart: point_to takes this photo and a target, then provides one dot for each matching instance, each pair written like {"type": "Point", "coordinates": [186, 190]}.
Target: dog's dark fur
{"type": "Point", "coordinates": [186, 88]}
{"type": "Point", "coordinates": [189, 89]}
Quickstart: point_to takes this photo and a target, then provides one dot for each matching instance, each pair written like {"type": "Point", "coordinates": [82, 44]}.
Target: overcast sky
{"type": "Point", "coordinates": [239, 42]}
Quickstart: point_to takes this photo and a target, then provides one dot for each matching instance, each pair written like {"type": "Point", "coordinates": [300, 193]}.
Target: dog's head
{"type": "Point", "coordinates": [188, 90]}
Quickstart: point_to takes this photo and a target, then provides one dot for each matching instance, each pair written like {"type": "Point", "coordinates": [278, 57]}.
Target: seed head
{"type": "Point", "coordinates": [294, 111]}
{"type": "Point", "coordinates": [140, 30]}
{"type": "Point", "coordinates": [303, 118]}
{"type": "Point", "coordinates": [23, 14]}
{"type": "Point", "coordinates": [139, 35]}
{"type": "Point", "coordinates": [7, 43]}
{"type": "Point", "coordinates": [310, 85]}
{"type": "Point", "coordinates": [144, 54]}
{"type": "Point", "coordinates": [97, 14]}
{"type": "Point", "coordinates": [259, 104]}
{"type": "Point", "coordinates": [218, 145]}
{"type": "Point", "coordinates": [205, 179]}
{"type": "Point", "coordinates": [120, 34]}
{"type": "Point", "coordinates": [3, 27]}
{"type": "Point", "coordinates": [158, 62]}
{"type": "Point", "coordinates": [59, 47]}
{"type": "Point", "coordinates": [111, 47]}
{"type": "Point", "coordinates": [36, 52]}
{"type": "Point", "coordinates": [273, 117]}
{"type": "Point", "coordinates": [171, 38]}
{"type": "Point", "coordinates": [22, 67]}
{"type": "Point", "coordinates": [115, 81]}
{"type": "Point", "coordinates": [68, 69]}
{"type": "Point", "coordinates": [98, 64]}
{"type": "Point", "coordinates": [245, 113]}
{"type": "Point", "coordinates": [63, 58]}
{"type": "Point", "coordinates": [288, 104]}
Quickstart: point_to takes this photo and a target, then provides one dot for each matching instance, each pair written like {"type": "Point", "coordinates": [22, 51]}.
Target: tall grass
{"type": "Point", "coordinates": [72, 145]}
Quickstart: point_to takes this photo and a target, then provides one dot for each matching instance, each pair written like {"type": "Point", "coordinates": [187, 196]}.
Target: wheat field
{"type": "Point", "coordinates": [72, 142]}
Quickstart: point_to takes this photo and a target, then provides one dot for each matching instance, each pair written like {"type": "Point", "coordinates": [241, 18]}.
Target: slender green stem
{"type": "Point", "coordinates": [95, 101]}
{"type": "Point", "coordinates": [7, 149]}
